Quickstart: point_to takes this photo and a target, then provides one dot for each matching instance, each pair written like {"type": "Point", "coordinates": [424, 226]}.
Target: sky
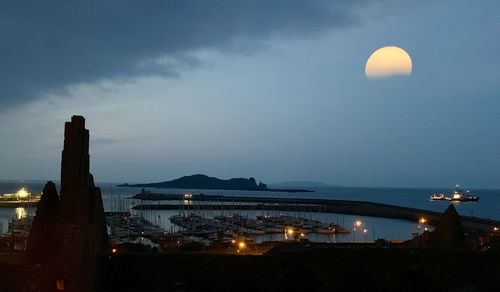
{"type": "Point", "coordinates": [274, 90]}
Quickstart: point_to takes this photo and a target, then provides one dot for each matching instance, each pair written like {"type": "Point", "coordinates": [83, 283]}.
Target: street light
{"type": "Point", "coordinates": [241, 246]}
{"type": "Point", "coordinates": [421, 221]}
{"type": "Point", "coordinates": [289, 232]}
{"type": "Point", "coordinates": [358, 224]}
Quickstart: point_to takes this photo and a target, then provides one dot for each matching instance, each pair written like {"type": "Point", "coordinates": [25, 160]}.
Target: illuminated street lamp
{"type": "Point", "coordinates": [289, 232]}
{"type": "Point", "coordinates": [356, 224]}
{"type": "Point", "coordinates": [421, 221]}
{"type": "Point", "coordinates": [241, 246]}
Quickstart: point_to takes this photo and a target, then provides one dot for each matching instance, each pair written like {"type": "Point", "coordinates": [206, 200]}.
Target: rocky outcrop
{"type": "Point", "coordinates": [448, 233]}
{"type": "Point", "coordinates": [75, 221]}
{"type": "Point", "coordinates": [201, 181]}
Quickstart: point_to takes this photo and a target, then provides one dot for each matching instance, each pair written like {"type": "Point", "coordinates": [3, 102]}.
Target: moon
{"type": "Point", "coordinates": [388, 61]}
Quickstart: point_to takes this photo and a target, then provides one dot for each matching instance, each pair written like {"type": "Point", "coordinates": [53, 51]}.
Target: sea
{"type": "Point", "coordinates": [115, 199]}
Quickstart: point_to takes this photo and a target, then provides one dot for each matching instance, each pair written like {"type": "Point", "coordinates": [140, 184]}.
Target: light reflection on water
{"type": "Point", "coordinates": [7, 214]}
{"type": "Point", "coordinates": [21, 212]}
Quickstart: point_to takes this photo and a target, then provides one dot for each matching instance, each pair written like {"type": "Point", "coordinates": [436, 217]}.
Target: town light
{"type": "Point", "coordinates": [289, 231]}
{"type": "Point", "coordinates": [358, 223]}
{"type": "Point", "coordinates": [422, 220]}
{"type": "Point", "coordinates": [242, 245]}
{"type": "Point", "coordinates": [22, 193]}
{"type": "Point", "coordinates": [114, 250]}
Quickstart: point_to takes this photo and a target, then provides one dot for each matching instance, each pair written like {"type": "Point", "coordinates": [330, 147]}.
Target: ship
{"type": "Point", "coordinates": [21, 198]}
{"type": "Point", "coordinates": [458, 195]}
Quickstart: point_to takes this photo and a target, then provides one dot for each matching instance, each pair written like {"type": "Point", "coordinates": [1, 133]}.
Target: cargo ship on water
{"type": "Point", "coordinates": [21, 198]}
{"type": "Point", "coordinates": [458, 195]}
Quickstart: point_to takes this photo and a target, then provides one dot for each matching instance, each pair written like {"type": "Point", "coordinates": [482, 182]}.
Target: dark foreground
{"type": "Point", "coordinates": [317, 267]}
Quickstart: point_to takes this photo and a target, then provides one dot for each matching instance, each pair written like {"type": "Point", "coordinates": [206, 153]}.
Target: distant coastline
{"type": "Point", "coordinates": [201, 181]}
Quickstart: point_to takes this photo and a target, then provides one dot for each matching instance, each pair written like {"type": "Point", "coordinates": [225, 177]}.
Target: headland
{"type": "Point", "coordinates": [201, 181]}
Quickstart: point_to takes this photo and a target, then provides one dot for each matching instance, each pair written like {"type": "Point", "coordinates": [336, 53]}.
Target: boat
{"type": "Point", "coordinates": [326, 230]}
{"type": "Point", "coordinates": [21, 198]}
{"type": "Point", "coordinates": [439, 197]}
{"type": "Point", "coordinates": [458, 195]}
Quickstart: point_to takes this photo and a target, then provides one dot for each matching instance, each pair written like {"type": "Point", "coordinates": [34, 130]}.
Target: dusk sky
{"type": "Point", "coordinates": [270, 89]}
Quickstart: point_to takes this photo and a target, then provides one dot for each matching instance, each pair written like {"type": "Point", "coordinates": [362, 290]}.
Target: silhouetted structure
{"type": "Point", "coordinates": [69, 230]}
{"type": "Point", "coordinates": [448, 233]}
{"type": "Point", "coordinates": [43, 230]}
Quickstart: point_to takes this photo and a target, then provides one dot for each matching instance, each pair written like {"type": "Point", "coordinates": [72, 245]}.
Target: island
{"type": "Point", "coordinates": [201, 181]}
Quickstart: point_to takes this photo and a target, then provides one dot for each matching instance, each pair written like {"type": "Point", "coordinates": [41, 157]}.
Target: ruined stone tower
{"type": "Point", "coordinates": [78, 230]}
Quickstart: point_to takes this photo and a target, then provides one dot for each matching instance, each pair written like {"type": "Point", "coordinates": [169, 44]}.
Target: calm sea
{"type": "Point", "coordinates": [487, 207]}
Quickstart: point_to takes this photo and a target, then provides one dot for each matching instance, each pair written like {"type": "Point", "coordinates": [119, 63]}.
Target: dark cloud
{"type": "Point", "coordinates": [47, 45]}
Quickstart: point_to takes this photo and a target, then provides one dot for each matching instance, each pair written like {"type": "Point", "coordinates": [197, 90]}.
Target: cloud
{"type": "Point", "coordinates": [47, 45]}
{"type": "Point", "coordinates": [103, 141]}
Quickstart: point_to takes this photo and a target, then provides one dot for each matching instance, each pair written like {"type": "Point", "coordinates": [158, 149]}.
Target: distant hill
{"type": "Point", "coordinates": [303, 184]}
{"type": "Point", "coordinates": [201, 181]}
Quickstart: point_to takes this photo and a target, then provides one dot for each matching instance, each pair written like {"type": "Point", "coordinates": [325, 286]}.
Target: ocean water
{"type": "Point", "coordinates": [487, 207]}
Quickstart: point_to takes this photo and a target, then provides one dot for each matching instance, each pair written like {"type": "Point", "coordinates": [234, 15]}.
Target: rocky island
{"type": "Point", "coordinates": [201, 181]}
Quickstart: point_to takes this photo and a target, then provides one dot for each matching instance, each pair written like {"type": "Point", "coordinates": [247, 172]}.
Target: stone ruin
{"type": "Point", "coordinates": [69, 230]}
{"type": "Point", "coordinates": [447, 234]}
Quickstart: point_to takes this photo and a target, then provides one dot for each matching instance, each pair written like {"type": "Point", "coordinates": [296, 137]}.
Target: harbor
{"type": "Point", "coordinates": [168, 221]}
{"type": "Point", "coordinates": [191, 203]}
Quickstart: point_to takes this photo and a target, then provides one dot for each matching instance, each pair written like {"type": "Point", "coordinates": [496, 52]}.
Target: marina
{"type": "Point", "coordinates": [124, 228]}
{"type": "Point", "coordinates": [169, 220]}
{"type": "Point", "coordinates": [236, 225]}
{"type": "Point", "coordinates": [311, 205]}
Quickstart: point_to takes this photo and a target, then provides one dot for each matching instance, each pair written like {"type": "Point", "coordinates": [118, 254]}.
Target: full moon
{"type": "Point", "coordinates": [388, 61]}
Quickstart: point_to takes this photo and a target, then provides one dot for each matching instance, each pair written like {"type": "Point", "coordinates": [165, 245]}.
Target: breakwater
{"type": "Point", "coordinates": [362, 208]}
